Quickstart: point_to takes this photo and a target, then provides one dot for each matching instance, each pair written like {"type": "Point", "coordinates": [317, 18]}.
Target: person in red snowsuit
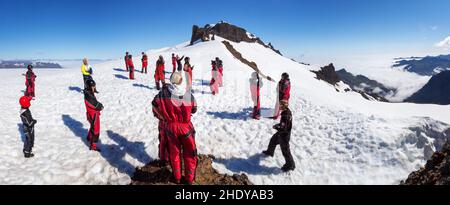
{"type": "Point", "coordinates": [255, 86]}
{"type": "Point", "coordinates": [159, 73]}
{"type": "Point", "coordinates": [284, 93]}
{"type": "Point", "coordinates": [188, 69]}
{"type": "Point", "coordinates": [130, 66]}
{"type": "Point", "coordinates": [175, 106]}
{"type": "Point", "coordinates": [144, 62]}
{"type": "Point", "coordinates": [174, 62]}
{"type": "Point", "coordinates": [219, 64]}
{"type": "Point", "coordinates": [93, 108]}
{"type": "Point", "coordinates": [163, 148]}
{"type": "Point", "coordinates": [214, 84]}
{"type": "Point", "coordinates": [126, 60]}
{"type": "Point", "coordinates": [30, 78]}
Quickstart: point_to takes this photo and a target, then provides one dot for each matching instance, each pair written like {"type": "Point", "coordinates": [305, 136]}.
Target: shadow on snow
{"type": "Point", "coordinates": [243, 115]}
{"type": "Point", "coordinates": [119, 69]}
{"type": "Point", "coordinates": [76, 89]}
{"type": "Point", "coordinates": [250, 165]}
{"type": "Point", "coordinates": [113, 153]}
{"type": "Point", "coordinates": [121, 77]}
{"type": "Point", "coordinates": [143, 86]}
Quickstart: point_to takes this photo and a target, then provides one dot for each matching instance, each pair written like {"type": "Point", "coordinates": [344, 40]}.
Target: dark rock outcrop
{"type": "Point", "coordinates": [436, 91]}
{"type": "Point", "coordinates": [227, 31]}
{"type": "Point", "coordinates": [153, 174]}
{"type": "Point", "coordinates": [365, 86]}
{"type": "Point", "coordinates": [328, 74]}
{"type": "Point", "coordinates": [435, 172]}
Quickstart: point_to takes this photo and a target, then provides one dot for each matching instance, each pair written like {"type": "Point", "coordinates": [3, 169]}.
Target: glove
{"type": "Point", "coordinates": [100, 107]}
{"type": "Point", "coordinates": [276, 127]}
{"type": "Point", "coordinates": [34, 121]}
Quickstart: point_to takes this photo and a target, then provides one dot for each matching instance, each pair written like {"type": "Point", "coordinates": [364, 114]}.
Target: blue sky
{"type": "Point", "coordinates": [300, 28]}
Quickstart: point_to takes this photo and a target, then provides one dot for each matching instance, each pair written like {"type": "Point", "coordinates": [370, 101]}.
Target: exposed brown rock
{"type": "Point", "coordinates": [239, 56]}
{"type": "Point", "coordinates": [328, 74]}
{"type": "Point", "coordinates": [435, 172]}
{"type": "Point", "coordinates": [153, 174]}
{"type": "Point", "coordinates": [227, 31]}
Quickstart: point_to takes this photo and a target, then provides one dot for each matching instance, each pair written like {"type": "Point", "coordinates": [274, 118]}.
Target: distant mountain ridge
{"type": "Point", "coordinates": [362, 83]}
{"type": "Point", "coordinates": [436, 91]}
{"type": "Point", "coordinates": [430, 65]}
{"type": "Point", "coordinates": [25, 63]}
{"type": "Point", "coordinates": [369, 89]}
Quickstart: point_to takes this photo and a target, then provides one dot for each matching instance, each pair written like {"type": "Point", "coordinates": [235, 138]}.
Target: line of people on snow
{"type": "Point", "coordinates": [173, 106]}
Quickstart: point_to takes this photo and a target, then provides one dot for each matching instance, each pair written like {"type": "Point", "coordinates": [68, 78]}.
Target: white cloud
{"type": "Point", "coordinates": [379, 68]}
{"type": "Point", "coordinates": [443, 44]}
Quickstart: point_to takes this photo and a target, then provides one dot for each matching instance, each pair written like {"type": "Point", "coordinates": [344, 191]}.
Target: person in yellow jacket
{"type": "Point", "coordinates": [86, 70]}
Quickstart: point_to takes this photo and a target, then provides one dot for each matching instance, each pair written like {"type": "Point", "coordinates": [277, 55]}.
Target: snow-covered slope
{"type": "Point", "coordinates": [338, 138]}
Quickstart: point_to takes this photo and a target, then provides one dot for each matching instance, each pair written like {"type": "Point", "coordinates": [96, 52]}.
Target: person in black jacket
{"type": "Point", "coordinates": [282, 137]}
{"type": "Point", "coordinates": [126, 60]}
{"type": "Point", "coordinates": [180, 66]}
{"type": "Point", "coordinates": [28, 126]}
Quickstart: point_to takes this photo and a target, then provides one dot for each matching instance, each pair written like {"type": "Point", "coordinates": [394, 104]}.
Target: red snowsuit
{"type": "Point", "coordinates": [163, 148]}
{"type": "Point", "coordinates": [131, 68]}
{"type": "Point", "coordinates": [284, 93]}
{"type": "Point", "coordinates": [30, 77]}
{"type": "Point", "coordinates": [144, 63]}
{"type": "Point", "coordinates": [159, 72]}
{"type": "Point", "coordinates": [255, 86]}
{"type": "Point", "coordinates": [187, 68]}
{"type": "Point", "coordinates": [174, 64]}
{"type": "Point", "coordinates": [176, 111]}
{"type": "Point", "coordinates": [220, 77]}
{"type": "Point", "coordinates": [214, 84]}
{"type": "Point", "coordinates": [93, 108]}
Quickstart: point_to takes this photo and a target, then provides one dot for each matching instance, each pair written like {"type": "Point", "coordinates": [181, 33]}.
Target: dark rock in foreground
{"type": "Point", "coordinates": [153, 174]}
{"type": "Point", "coordinates": [435, 172]}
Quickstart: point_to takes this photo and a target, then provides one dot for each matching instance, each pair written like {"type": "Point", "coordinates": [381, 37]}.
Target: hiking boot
{"type": "Point", "coordinates": [287, 168]}
{"type": "Point", "coordinates": [176, 181]}
{"type": "Point", "coordinates": [163, 163]}
{"type": "Point", "coordinates": [94, 147]}
{"type": "Point", "coordinates": [184, 182]}
{"type": "Point", "coordinates": [267, 153]}
{"type": "Point", "coordinates": [28, 155]}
